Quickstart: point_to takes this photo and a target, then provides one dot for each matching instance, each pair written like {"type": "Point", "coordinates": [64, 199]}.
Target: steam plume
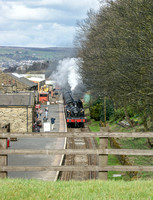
{"type": "Point", "coordinates": [67, 73]}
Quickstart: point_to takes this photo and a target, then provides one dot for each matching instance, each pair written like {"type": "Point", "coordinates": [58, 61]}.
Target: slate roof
{"type": "Point", "coordinates": [17, 99]}
{"type": "Point", "coordinates": [27, 82]}
{"type": "Point", "coordinates": [23, 80]}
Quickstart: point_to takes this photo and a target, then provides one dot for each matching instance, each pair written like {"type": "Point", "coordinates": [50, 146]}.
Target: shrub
{"type": "Point", "coordinates": [95, 111]}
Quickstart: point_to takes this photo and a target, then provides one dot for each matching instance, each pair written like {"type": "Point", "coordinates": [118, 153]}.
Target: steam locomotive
{"type": "Point", "coordinates": [74, 111]}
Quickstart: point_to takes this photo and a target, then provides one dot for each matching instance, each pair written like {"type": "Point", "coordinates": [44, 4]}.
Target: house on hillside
{"type": "Point", "coordinates": [17, 109]}
{"type": "Point", "coordinates": [10, 83]}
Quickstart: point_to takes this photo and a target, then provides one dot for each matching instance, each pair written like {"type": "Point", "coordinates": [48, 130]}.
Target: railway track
{"type": "Point", "coordinates": [80, 160]}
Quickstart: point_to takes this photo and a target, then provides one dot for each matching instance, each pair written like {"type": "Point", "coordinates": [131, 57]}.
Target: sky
{"type": "Point", "coordinates": [41, 23]}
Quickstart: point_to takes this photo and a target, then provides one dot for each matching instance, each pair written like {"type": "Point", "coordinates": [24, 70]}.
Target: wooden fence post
{"type": "Point", "coordinates": [3, 158]}
{"type": "Point", "coordinates": [103, 159]}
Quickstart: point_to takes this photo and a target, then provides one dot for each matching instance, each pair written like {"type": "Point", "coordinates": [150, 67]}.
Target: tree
{"type": "Point", "coordinates": [115, 47]}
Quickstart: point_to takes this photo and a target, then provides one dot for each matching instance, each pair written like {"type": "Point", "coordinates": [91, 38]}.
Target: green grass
{"type": "Point", "coordinates": [112, 159]}
{"type": "Point", "coordinates": [135, 143]}
{"type": "Point", "coordinates": [94, 125]}
{"type": "Point", "coordinates": [16, 189]}
{"type": "Point", "coordinates": [138, 143]}
{"type": "Point", "coordinates": [125, 143]}
{"type": "Point", "coordinates": [114, 127]}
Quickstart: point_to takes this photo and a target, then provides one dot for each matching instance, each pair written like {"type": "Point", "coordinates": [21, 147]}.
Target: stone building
{"type": "Point", "coordinates": [17, 109]}
{"type": "Point", "coordinates": [11, 83]}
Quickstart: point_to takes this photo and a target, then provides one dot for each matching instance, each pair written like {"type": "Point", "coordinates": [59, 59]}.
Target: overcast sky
{"type": "Point", "coordinates": [41, 23]}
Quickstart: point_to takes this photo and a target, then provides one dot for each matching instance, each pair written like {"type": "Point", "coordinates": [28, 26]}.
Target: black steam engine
{"type": "Point", "coordinates": [74, 111]}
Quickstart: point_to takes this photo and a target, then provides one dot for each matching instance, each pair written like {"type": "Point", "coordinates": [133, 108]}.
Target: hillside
{"type": "Point", "coordinates": [23, 53]}
{"type": "Point", "coordinates": [32, 60]}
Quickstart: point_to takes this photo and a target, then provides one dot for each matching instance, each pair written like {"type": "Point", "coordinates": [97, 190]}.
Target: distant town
{"type": "Point", "coordinates": [19, 59]}
{"type": "Point", "coordinates": [19, 64]}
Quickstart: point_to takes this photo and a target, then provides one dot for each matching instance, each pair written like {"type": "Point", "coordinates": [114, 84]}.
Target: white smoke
{"type": "Point", "coordinates": [67, 73]}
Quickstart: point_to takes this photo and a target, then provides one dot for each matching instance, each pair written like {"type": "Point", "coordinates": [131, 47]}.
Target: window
{"type": "Point", "coordinates": [43, 95]}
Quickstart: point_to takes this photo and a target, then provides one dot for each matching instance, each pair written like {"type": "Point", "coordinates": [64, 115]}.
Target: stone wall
{"type": "Point", "coordinates": [20, 118]}
{"type": "Point", "coordinates": [5, 77]}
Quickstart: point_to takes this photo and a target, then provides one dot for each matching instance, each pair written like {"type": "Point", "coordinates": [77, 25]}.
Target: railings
{"type": "Point", "coordinates": [102, 152]}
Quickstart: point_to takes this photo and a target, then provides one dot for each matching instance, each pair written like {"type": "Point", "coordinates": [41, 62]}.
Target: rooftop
{"type": "Point", "coordinates": [23, 80]}
{"type": "Point", "coordinates": [17, 99]}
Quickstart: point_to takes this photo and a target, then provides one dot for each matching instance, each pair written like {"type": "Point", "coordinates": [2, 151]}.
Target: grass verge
{"type": "Point", "coordinates": [15, 189]}
{"type": "Point", "coordinates": [125, 143]}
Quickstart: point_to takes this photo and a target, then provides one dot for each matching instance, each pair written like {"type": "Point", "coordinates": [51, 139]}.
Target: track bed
{"type": "Point", "coordinates": [81, 160]}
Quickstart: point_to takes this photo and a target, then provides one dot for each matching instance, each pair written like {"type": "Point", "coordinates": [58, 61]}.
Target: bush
{"type": "Point", "coordinates": [95, 111]}
{"type": "Point", "coordinates": [119, 114]}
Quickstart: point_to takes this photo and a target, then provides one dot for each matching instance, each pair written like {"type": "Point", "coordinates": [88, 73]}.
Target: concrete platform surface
{"type": "Point", "coordinates": [56, 111]}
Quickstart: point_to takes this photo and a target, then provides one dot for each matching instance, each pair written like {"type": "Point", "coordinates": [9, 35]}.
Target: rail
{"type": "Point", "coordinates": [103, 152]}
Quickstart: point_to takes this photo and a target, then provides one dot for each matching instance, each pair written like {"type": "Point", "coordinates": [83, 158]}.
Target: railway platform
{"type": "Point", "coordinates": [56, 111]}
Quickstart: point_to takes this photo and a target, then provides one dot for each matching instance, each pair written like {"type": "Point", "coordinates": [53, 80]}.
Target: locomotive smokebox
{"type": "Point", "coordinates": [74, 111]}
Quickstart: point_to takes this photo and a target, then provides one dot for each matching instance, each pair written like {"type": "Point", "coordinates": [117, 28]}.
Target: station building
{"type": "Point", "coordinates": [11, 83]}
{"type": "Point", "coordinates": [17, 100]}
{"type": "Point", "coordinates": [17, 110]}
